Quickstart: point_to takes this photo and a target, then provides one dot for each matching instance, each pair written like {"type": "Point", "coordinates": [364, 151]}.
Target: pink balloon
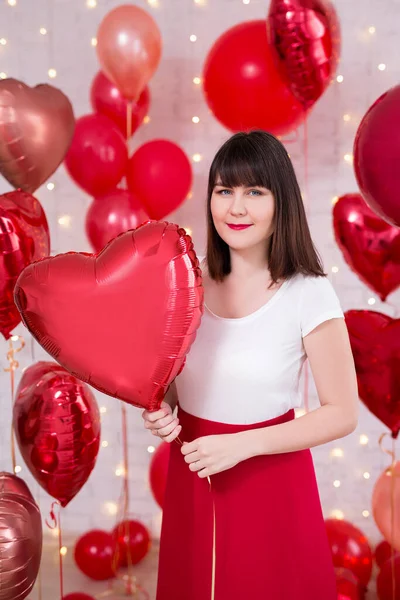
{"type": "Point", "coordinates": [381, 505]}
{"type": "Point", "coordinates": [112, 214]}
{"type": "Point", "coordinates": [107, 100]}
{"type": "Point", "coordinates": [377, 156]}
{"type": "Point", "coordinates": [98, 155]}
{"type": "Point", "coordinates": [160, 174]}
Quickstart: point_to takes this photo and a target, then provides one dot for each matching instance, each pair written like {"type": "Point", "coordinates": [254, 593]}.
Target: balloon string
{"type": "Point", "coordinates": [13, 365]}
{"type": "Point", "coordinates": [54, 525]}
{"type": "Point", "coordinates": [391, 471]}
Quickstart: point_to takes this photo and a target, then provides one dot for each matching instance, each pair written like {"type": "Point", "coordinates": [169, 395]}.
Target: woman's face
{"type": "Point", "coordinates": [251, 206]}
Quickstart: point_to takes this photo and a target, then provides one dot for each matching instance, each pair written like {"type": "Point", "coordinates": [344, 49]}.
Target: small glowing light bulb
{"type": "Point", "coordinates": [104, 444]}
{"type": "Point", "coordinates": [12, 2]}
{"type": "Point", "coordinates": [50, 186]}
{"type": "Point", "coordinates": [366, 475]}
{"type": "Point", "coordinates": [196, 119]}
{"type": "Point", "coordinates": [335, 269]}
{"type": "Point", "coordinates": [337, 453]}
{"type": "Point", "coordinates": [339, 78]}
{"type": "Point", "coordinates": [336, 483]}
{"type": "Point", "coordinates": [337, 514]}
{"type": "Point", "coordinates": [3, 41]}
{"type": "Point", "coordinates": [382, 67]}
{"type": "Point", "coordinates": [93, 41]}
{"type": "Point", "coordinates": [197, 157]}
{"type": "Point", "coordinates": [348, 158]}
{"type": "Point", "coordinates": [52, 73]}
{"type": "Point", "coordinates": [63, 550]}
{"type": "Point", "coordinates": [363, 439]}
{"type": "Point", "coordinates": [43, 31]}
{"type": "Point", "coordinates": [196, 80]}
{"type": "Point", "coordinates": [346, 117]}
{"type": "Point", "coordinates": [146, 119]}
{"type": "Point", "coordinates": [193, 38]}
{"type": "Point", "coordinates": [151, 449]}
{"type": "Point", "coordinates": [371, 30]}
{"type": "Point", "coordinates": [371, 301]}
{"type": "Point", "coordinates": [365, 513]}
{"type": "Point", "coordinates": [335, 199]}
{"type": "Point", "coordinates": [91, 3]}
{"type": "Point", "coordinates": [17, 469]}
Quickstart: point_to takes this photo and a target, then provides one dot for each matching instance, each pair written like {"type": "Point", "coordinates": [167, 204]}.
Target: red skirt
{"type": "Point", "coordinates": [270, 543]}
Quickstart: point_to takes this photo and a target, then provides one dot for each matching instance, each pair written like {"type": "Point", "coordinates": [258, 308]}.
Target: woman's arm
{"type": "Point", "coordinates": [171, 397]}
{"type": "Point", "coordinates": [332, 365]}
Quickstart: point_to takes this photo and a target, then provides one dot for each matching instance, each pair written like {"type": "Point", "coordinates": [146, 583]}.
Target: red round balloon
{"type": "Point", "coordinates": [377, 156]}
{"type": "Point", "coordinates": [370, 246]}
{"type": "Point", "coordinates": [375, 343]}
{"type": "Point", "coordinates": [57, 426]}
{"type": "Point", "coordinates": [94, 554]}
{"type": "Point", "coordinates": [243, 86]}
{"type": "Point", "coordinates": [24, 237]}
{"type": "Point", "coordinates": [384, 581]}
{"type": "Point", "coordinates": [107, 100]}
{"type": "Point", "coordinates": [348, 587]}
{"type": "Point", "coordinates": [98, 155]}
{"type": "Point", "coordinates": [78, 596]}
{"type": "Point", "coordinates": [382, 553]}
{"type": "Point", "coordinates": [159, 472]}
{"type": "Point", "coordinates": [146, 282]}
{"type": "Point", "coordinates": [350, 549]}
{"type": "Point", "coordinates": [112, 214]}
{"type": "Point", "coordinates": [160, 175]}
{"type": "Point", "coordinates": [133, 542]}
{"type": "Point", "coordinates": [306, 37]}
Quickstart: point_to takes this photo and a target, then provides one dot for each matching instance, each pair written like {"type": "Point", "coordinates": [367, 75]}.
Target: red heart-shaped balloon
{"type": "Point", "coordinates": [375, 342]}
{"type": "Point", "coordinates": [57, 424]}
{"type": "Point", "coordinates": [36, 129]}
{"type": "Point", "coordinates": [370, 246]}
{"type": "Point", "coordinates": [123, 320]}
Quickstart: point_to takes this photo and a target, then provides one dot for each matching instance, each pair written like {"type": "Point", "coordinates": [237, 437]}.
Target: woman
{"type": "Point", "coordinates": [242, 515]}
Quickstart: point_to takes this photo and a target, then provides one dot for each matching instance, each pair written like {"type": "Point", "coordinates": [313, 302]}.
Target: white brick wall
{"type": "Point", "coordinates": [175, 99]}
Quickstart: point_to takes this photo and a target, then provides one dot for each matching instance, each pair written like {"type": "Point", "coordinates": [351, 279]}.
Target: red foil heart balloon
{"type": "Point", "coordinates": [370, 246]}
{"type": "Point", "coordinates": [24, 237]}
{"type": "Point", "coordinates": [20, 538]}
{"type": "Point", "coordinates": [123, 320]}
{"type": "Point", "coordinates": [375, 342]}
{"type": "Point", "coordinates": [36, 129]}
{"type": "Point", "coordinates": [57, 425]}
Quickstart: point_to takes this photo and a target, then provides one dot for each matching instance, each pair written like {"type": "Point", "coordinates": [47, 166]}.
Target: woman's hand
{"type": "Point", "coordinates": [162, 423]}
{"type": "Point", "coordinates": [214, 453]}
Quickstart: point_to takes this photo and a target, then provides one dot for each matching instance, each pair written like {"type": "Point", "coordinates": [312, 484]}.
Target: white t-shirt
{"type": "Point", "coordinates": [247, 370]}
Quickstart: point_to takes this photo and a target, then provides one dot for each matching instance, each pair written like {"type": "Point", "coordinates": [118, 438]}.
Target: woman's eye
{"type": "Point", "coordinates": [256, 192]}
{"type": "Point", "coordinates": [222, 192]}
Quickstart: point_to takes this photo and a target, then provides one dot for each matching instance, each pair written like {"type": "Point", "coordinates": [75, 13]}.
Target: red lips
{"type": "Point", "coordinates": [237, 227]}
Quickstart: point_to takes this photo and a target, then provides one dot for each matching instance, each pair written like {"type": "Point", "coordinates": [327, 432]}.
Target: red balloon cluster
{"type": "Point", "coordinates": [351, 551]}
{"type": "Point", "coordinates": [100, 554]}
{"type": "Point", "coordinates": [158, 472]}
{"type": "Point", "coordinates": [24, 237]}
{"type": "Point", "coordinates": [57, 425]}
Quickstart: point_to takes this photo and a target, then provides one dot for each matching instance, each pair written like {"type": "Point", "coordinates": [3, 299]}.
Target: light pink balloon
{"type": "Point", "coordinates": [381, 505]}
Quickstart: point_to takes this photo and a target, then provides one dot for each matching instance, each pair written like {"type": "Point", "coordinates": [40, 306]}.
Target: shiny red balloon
{"type": "Point", "coordinates": [348, 587]}
{"type": "Point", "coordinates": [243, 86]}
{"type": "Point", "coordinates": [159, 472]}
{"type": "Point", "coordinates": [382, 553]}
{"type": "Point", "coordinates": [112, 214]}
{"type": "Point", "coordinates": [375, 342]}
{"type": "Point", "coordinates": [305, 35]}
{"type": "Point", "coordinates": [350, 549]}
{"type": "Point", "coordinates": [160, 175]}
{"type": "Point", "coordinates": [133, 542]}
{"type": "Point", "coordinates": [107, 100]}
{"type": "Point", "coordinates": [98, 155]}
{"type": "Point", "coordinates": [94, 554]}
{"type": "Point", "coordinates": [370, 246]}
{"type": "Point", "coordinates": [146, 283]}
{"type": "Point", "coordinates": [384, 581]}
{"type": "Point", "coordinates": [377, 156]}
{"type": "Point", "coordinates": [78, 596]}
{"type": "Point", "coordinates": [57, 425]}
{"type": "Point", "coordinates": [24, 237]}
{"type": "Point", "coordinates": [20, 538]}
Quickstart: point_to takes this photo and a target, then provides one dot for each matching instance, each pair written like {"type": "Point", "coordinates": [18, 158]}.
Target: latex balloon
{"type": "Point", "coordinates": [377, 154]}
{"type": "Point", "coordinates": [348, 587]}
{"type": "Point", "coordinates": [133, 542]}
{"type": "Point", "coordinates": [382, 506]}
{"type": "Point", "coordinates": [382, 553]}
{"type": "Point", "coordinates": [370, 246]}
{"type": "Point", "coordinates": [375, 342]}
{"type": "Point", "coordinates": [159, 472]}
{"type": "Point", "coordinates": [112, 214]}
{"type": "Point", "coordinates": [306, 37]}
{"type": "Point", "coordinates": [146, 282]}
{"type": "Point", "coordinates": [129, 48]}
{"type": "Point", "coordinates": [350, 549]}
{"type": "Point", "coordinates": [20, 538]}
{"type": "Point", "coordinates": [98, 155]}
{"type": "Point", "coordinates": [57, 426]}
{"type": "Point", "coordinates": [160, 175]}
{"type": "Point", "coordinates": [243, 86]}
{"type": "Point", "coordinates": [36, 129]}
{"type": "Point", "coordinates": [384, 581]}
{"type": "Point", "coordinates": [94, 554]}
{"type": "Point", "coordinates": [24, 237]}
{"type": "Point", "coordinates": [107, 100]}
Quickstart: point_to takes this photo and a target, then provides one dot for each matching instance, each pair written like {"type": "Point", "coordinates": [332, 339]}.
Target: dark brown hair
{"type": "Point", "coordinates": [258, 158]}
